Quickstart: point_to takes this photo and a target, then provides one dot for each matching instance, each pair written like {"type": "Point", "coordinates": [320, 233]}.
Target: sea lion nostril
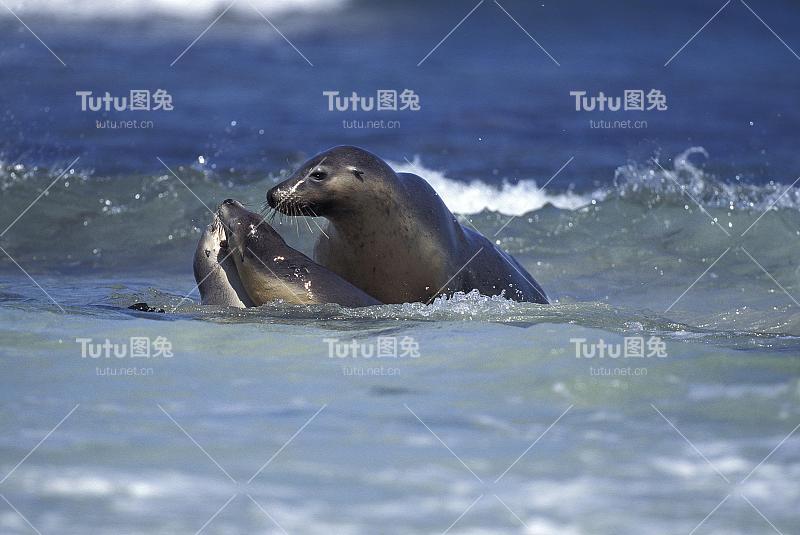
{"type": "Point", "coordinates": [228, 201]}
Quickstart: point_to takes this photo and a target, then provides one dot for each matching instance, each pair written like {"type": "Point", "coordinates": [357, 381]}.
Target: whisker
{"type": "Point", "coordinates": [305, 219]}
{"type": "Point", "coordinates": [278, 211]}
{"type": "Point", "coordinates": [265, 217]}
{"type": "Point", "coordinates": [317, 224]}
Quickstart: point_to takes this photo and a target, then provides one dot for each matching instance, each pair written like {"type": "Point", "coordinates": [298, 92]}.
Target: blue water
{"type": "Point", "coordinates": [491, 99]}
{"type": "Point", "coordinates": [685, 232]}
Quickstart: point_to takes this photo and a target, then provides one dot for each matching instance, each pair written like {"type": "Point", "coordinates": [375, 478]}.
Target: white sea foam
{"type": "Point", "coordinates": [80, 483]}
{"type": "Point", "coordinates": [141, 9]}
{"type": "Point", "coordinates": [510, 199]}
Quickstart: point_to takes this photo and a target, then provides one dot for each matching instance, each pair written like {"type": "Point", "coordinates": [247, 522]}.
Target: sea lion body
{"type": "Point", "coordinates": [270, 270]}
{"type": "Point", "coordinates": [215, 271]}
{"type": "Point", "coordinates": [391, 234]}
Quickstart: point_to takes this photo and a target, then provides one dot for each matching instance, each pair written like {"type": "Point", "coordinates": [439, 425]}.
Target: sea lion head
{"type": "Point", "coordinates": [264, 263]}
{"type": "Point", "coordinates": [208, 254]}
{"type": "Point", "coordinates": [246, 232]}
{"type": "Point", "coordinates": [334, 181]}
{"type": "Point", "coordinates": [215, 271]}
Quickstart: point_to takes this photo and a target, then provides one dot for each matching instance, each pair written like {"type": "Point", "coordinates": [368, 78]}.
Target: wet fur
{"type": "Point", "coordinates": [391, 235]}
{"type": "Point", "coordinates": [269, 269]}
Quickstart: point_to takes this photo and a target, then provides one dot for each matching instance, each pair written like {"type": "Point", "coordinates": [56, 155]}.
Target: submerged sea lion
{"type": "Point", "coordinates": [392, 236]}
{"type": "Point", "coordinates": [268, 269]}
{"type": "Point", "coordinates": [215, 271]}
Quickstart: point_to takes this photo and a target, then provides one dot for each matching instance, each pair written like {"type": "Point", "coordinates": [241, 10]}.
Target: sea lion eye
{"type": "Point", "coordinates": [318, 175]}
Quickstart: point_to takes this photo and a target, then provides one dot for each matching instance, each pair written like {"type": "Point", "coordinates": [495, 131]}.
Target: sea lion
{"type": "Point", "coordinates": [215, 271]}
{"type": "Point", "coordinates": [392, 236]}
{"type": "Point", "coordinates": [269, 269]}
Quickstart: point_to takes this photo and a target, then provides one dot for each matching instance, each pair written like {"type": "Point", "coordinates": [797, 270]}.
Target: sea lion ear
{"type": "Point", "coordinates": [358, 173]}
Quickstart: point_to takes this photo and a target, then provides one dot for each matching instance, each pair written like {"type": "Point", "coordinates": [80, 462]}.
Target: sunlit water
{"type": "Point", "coordinates": [492, 418]}
{"type": "Point", "coordinates": [486, 375]}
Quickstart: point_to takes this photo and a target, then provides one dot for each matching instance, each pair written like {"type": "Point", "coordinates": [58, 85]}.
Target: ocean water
{"type": "Point", "coordinates": [481, 415]}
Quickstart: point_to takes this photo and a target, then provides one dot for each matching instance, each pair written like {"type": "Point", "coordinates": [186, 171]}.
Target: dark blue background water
{"type": "Point", "coordinates": [494, 106]}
